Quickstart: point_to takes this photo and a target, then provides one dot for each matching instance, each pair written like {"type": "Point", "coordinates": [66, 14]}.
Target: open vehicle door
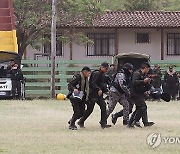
{"type": "Point", "coordinates": [136, 59]}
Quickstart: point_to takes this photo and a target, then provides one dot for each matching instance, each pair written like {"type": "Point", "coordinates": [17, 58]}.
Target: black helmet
{"type": "Point", "coordinates": [128, 66]}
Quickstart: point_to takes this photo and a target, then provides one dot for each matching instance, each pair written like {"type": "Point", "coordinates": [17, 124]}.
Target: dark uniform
{"type": "Point", "coordinates": [156, 79]}
{"type": "Point", "coordinates": [120, 91]}
{"type": "Point", "coordinates": [82, 84]}
{"type": "Point", "coordinates": [16, 77]}
{"type": "Point", "coordinates": [2, 72]}
{"type": "Point", "coordinates": [139, 87]}
{"type": "Point", "coordinates": [171, 82]}
{"type": "Point", "coordinates": [96, 83]}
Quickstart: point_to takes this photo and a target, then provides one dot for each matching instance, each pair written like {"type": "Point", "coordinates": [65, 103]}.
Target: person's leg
{"type": "Point", "coordinates": [113, 99]}
{"type": "Point", "coordinates": [132, 118]}
{"type": "Point", "coordinates": [145, 118]}
{"type": "Point", "coordinates": [125, 111]}
{"type": "Point", "coordinates": [102, 105]}
{"type": "Point", "coordinates": [174, 91]}
{"type": "Point", "coordinates": [19, 89]}
{"type": "Point", "coordinates": [90, 107]}
{"type": "Point", "coordinates": [139, 112]}
{"type": "Point", "coordinates": [82, 112]}
{"type": "Point", "coordinates": [82, 109]}
{"type": "Point", "coordinates": [13, 88]}
{"type": "Point", "coordinates": [76, 114]}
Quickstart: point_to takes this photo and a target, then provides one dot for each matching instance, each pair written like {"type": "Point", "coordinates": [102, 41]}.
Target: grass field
{"type": "Point", "coordinates": [40, 126]}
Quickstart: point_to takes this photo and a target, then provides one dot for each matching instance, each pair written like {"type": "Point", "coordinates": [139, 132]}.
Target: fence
{"type": "Point", "coordinates": [37, 73]}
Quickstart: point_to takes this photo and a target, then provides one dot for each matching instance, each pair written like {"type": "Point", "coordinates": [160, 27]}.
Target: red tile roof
{"type": "Point", "coordinates": [132, 19]}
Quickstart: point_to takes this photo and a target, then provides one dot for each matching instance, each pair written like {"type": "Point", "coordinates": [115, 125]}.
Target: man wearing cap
{"type": "Point", "coordinates": [140, 87]}
{"type": "Point", "coordinates": [78, 94]}
{"type": "Point", "coordinates": [120, 91]}
{"type": "Point", "coordinates": [97, 88]}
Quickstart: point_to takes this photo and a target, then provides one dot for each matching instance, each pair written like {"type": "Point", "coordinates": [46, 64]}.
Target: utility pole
{"type": "Point", "coordinates": [53, 47]}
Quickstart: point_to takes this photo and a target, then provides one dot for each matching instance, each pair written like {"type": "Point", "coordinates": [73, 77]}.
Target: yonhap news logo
{"type": "Point", "coordinates": [155, 139]}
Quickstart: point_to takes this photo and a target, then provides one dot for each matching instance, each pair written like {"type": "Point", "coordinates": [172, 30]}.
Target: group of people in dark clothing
{"type": "Point", "coordinates": [14, 72]}
{"type": "Point", "coordinates": [127, 88]}
{"type": "Point", "coordinates": [169, 83]}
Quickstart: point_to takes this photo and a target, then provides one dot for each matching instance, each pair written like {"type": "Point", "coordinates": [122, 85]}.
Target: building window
{"type": "Point", "coordinates": [142, 37]}
{"type": "Point", "coordinates": [103, 44]}
{"type": "Point", "coordinates": [173, 44]}
{"type": "Point", "coordinates": [47, 47]}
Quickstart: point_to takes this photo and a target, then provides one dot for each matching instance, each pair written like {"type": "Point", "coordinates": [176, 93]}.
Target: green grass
{"type": "Point", "coordinates": [40, 126]}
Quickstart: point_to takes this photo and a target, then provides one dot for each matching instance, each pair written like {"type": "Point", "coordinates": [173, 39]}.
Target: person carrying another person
{"type": "Point", "coordinates": [140, 88]}
{"type": "Point", "coordinates": [78, 94]}
{"type": "Point", "coordinates": [97, 85]}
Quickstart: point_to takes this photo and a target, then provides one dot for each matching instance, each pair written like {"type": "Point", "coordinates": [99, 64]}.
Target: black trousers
{"type": "Point", "coordinates": [90, 106]}
{"type": "Point", "coordinates": [141, 109]}
{"type": "Point", "coordinates": [78, 109]}
{"type": "Point", "coordinates": [171, 89]}
{"type": "Point", "coordinates": [16, 85]}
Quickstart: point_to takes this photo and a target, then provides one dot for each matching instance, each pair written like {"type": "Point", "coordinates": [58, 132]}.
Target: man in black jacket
{"type": "Point", "coordinates": [16, 77]}
{"type": "Point", "coordinates": [140, 87]}
{"type": "Point", "coordinates": [78, 94]}
{"type": "Point", "coordinates": [97, 88]}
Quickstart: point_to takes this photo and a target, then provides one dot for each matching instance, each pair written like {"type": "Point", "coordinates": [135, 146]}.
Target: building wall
{"type": "Point", "coordinates": [169, 57]}
{"type": "Point", "coordinates": [79, 51]}
{"type": "Point", "coordinates": [127, 42]}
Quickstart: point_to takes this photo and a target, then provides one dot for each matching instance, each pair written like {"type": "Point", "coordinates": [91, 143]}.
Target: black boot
{"type": "Point", "coordinates": [80, 124]}
{"type": "Point", "coordinates": [149, 124]}
{"type": "Point", "coordinates": [73, 127]}
{"type": "Point", "coordinates": [125, 122]}
{"type": "Point", "coordinates": [113, 119]}
{"type": "Point", "coordinates": [137, 124]}
{"type": "Point", "coordinates": [105, 126]}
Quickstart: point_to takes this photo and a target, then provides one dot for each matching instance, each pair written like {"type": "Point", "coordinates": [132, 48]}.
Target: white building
{"type": "Point", "coordinates": [154, 33]}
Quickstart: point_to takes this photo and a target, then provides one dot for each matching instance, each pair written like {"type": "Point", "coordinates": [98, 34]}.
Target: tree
{"type": "Point", "coordinates": [170, 5]}
{"type": "Point", "coordinates": [141, 5]}
{"type": "Point", "coordinates": [33, 19]}
{"type": "Point", "coordinates": [113, 5]}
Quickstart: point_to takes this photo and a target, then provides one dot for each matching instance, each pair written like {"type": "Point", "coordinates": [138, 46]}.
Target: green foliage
{"type": "Point", "coordinates": [142, 5]}
{"type": "Point", "coordinates": [170, 5]}
{"type": "Point", "coordinates": [113, 5]}
{"type": "Point", "coordinates": [34, 19]}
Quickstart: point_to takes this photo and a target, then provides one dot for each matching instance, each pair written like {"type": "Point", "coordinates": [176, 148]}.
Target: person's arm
{"type": "Point", "coordinates": [165, 77]}
{"type": "Point", "coordinates": [74, 82]}
{"type": "Point", "coordinates": [160, 73]}
{"type": "Point", "coordinates": [176, 78]}
{"type": "Point", "coordinates": [20, 74]}
{"type": "Point", "coordinates": [136, 79]}
{"type": "Point", "coordinates": [94, 81]}
{"type": "Point", "coordinates": [122, 81]}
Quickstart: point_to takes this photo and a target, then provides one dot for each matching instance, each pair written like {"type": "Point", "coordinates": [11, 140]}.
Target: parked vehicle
{"type": "Point", "coordinates": [5, 77]}
{"type": "Point", "coordinates": [136, 59]}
